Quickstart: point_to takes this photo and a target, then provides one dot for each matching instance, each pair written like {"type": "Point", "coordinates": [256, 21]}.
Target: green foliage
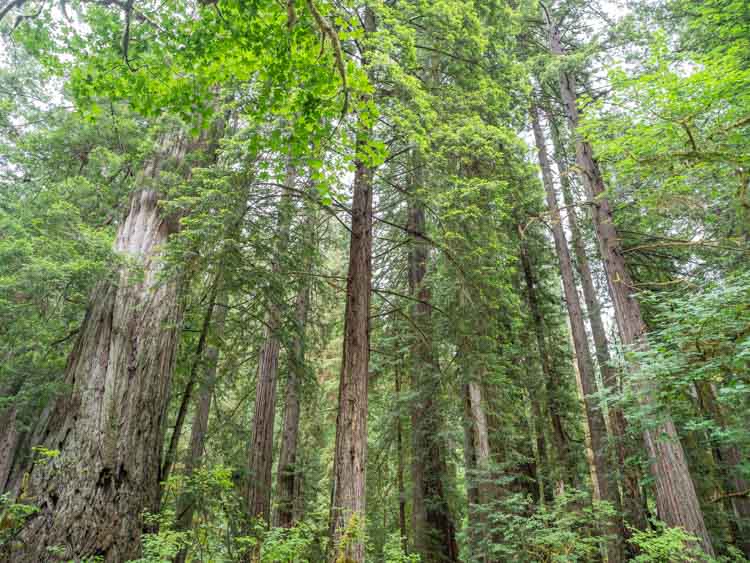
{"type": "Point", "coordinates": [664, 545]}
{"type": "Point", "coordinates": [163, 546]}
{"type": "Point", "coordinates": [561, 531]}
{"type": "Point", "coordinates": [393, 551]}
{"type": "Point", "coordinates": [13, 515]}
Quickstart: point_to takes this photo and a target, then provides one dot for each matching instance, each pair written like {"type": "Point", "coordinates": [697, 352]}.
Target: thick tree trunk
{"type": "Point", "coordinates": [676, 499]}
{"type": "Point", "coordinates": [551, 383]}
{"type": "Point", "coordinates": [632, 497]}
{"type": "Point", "coordinates": [186, 502]}
{"type": "Point", "coordinates": [10, 437]}
{"type": "Point", "coordinates": [350, 459]}
{"type": "Point", "coordinates": [605, 482]}
{"type": "Point", "coordinates": [288, 471]}
{"type": "Point", "coordinates": [109, 429]}
{"type": "Point", "coordinates": [261, 445]}
{"type": "Point", "coordinates": [13, 443]}
{"type": "Point", "coordinates": [434, 531]}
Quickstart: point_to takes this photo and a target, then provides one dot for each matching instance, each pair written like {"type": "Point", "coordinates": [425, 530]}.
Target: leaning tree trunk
{"type": "Point", "coordinates": [109, 428]}
{"type": "Point", "coordinates": [633, 502]}
{"type": "Point", "coordinates": [605, 482]}
{"type": "Point", "coordinates": [348, 504]}
{"type": "Point", "coordinates": [288, 471]}
{"type": "Point", "coordinates": [261, 444]}
{"type": "Point", "coordinates": [676, 499]}
{"type": "Point", "coordinates": [434, 531]}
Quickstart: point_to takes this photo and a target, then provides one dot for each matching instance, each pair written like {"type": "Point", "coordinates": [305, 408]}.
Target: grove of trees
{"type": "Point", "coordinates": [374, 280]}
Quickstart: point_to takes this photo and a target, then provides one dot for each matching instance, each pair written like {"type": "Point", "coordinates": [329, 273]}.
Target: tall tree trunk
{"type": "Point", "coordinates": [186, 501]}
{"type": "Point", "coordinates": [171, 455]}
{"type": "Point", "coordinates": [288, 471]}
{"type": "Point", "coordinates": [400, 472]}
{"type": "Point", "coordinates": [434, 531]}
{"type": "Point", "coordinates": [109, 429]}
{"type": "Point", "coordinates": [477, 456]}
{"type": "Point", "coordinates": [632, 497]}
{"type": "Point", "coordinates": [676, 499]}
{"type": "Point", "coordinates": [605, 483]}
{"type": "Point", "coordinates": [551, 383]}
{"type": "Point", "coordinates": [261, 445]}
{"type": "Point", "coordinates": [350, 459]}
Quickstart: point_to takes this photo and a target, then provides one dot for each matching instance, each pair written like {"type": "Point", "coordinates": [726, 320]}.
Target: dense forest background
{"type": "Point", "coordinates": [387, 280]}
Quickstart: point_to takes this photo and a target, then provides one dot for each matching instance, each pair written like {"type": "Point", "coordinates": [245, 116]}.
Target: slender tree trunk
{"type": "Point", "coordinates": [350, 458]}
{"type": "Point", "coordinates": [288, 472]}
{"type": "Point", "coordinates": [605, 483]}
{"type": "Point", "coordinates": [551, 383]}
{"type": "Point", "coordinates": [186, 501]}
{"type": "Point", "coordinates": [470, 457]}
{"type": "Point", "coordinates": [400, 472]}
{"type": "Point", "coordinates": [676, 499]}
{"type": "Point", "coordinates": [198, 358]}
{"type": "Point", "coordinates": [434, 533]}
{"type": "Point", "coordinates": [477, 458]}
{"type": "Point", "coordinates": [264, 414]}
{"type": "Point", "coordinates": [109, 429]}
{"type": "Point", "coordinates": [632, 497]}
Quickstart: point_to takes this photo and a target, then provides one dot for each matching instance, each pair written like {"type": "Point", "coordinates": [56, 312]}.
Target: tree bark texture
{"type": "Point", "coordinates": [605, 482]}
{"type": "Point", "coordinates": [632, 498]}
{"type": "Point", "coordinates": [350, 458]}
{"type": "Point", "coordinates": [477, 456]}
{"type": "Point", "coordinates": [109, 429]}
{"type": "Point", "coordinates": [261, 444]}
{"type": "Point", "coordinates": [288, 472]}
{"type": "Point", "coordinates": [676, 499]}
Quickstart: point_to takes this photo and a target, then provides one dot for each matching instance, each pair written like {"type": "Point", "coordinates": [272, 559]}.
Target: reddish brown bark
{"type": "Point", "coordinates": [350, 458]}
{"type": "Point", "coordinates": [260, 450]}
{"type": "Point", "coordinates": [109, 429]}
{"type": "Point", "coordinates": [676, 499]}
{"type": "Point", "coordinates": [632, 498]}
{"type": "Point", "coordinates": [605, 483]}
{"type": "Point", "coordinates": [288, 473]}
